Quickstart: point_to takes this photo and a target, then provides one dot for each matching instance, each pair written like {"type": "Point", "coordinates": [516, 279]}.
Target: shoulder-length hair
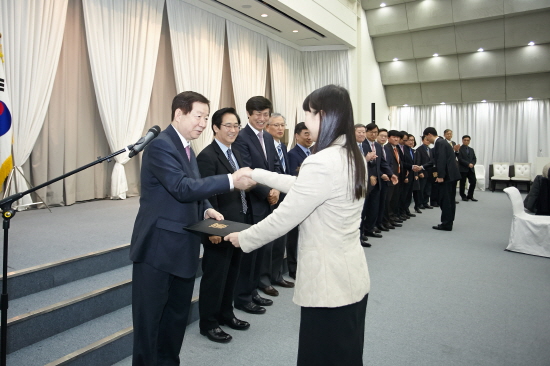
{"type": "Point", "coordinates": [337, 120]}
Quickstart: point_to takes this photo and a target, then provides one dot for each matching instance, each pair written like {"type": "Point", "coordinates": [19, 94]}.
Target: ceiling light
{"type": "Point", "coordinates": [530, 98]}
{"type": "Point", "coordinates": [382, 5]}
{"type": "Point", "coordinates": [405, 105]}
{"type": "Point", "coordinates": [396, 59]}
{"type": "Point", "coordinates": [264, 15]}
{"type": "Point", "coordinates": [531, 43]}
{"type": "Point", "coordinates": [442, 103]}
{"type": "Point", "coordinates": [295, 31]}
{"type": "Point", "coordinates": [480, 49]}
{"type": "Point", "coordinates": [483, 101]}
{"type": "Point", "coordinates": [435, 55]}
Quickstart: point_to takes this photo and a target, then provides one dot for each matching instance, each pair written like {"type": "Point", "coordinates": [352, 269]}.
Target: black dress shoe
{"type": "Point", "coordinates": [270, 290]}
{"type": "Point", "coordinates": [284, 283]}
{"type": "Point", "coordinates": [404, 218]}
{"type": "Point", "coordinates": [457, 202]}
{"type": "Point", "coordinates": [441, 227]}
{"type": "Point", "coordinates": [377, 230]}
{"type": "Point", "coordinates": [365, 244]}
{"type": "Point", "coordinates": [396, 224]}
{"type": "Point", "coordinates": [464, 199]}
{"type": "Point", "coordinates": [435, 205]}
{"type": "Point", "coordinates": [396, 220]}
{"type": "Point", "coordinates": [428, 207]}
{"type": "Point", "coordinates": [389, 226]}
{"type": "Point", "coordinates": [372, 234]}
{"type": "Point", "coordinates": [383, 228]}
{"type": "Point", "coordinates": [473, 199]}
{"type": "Point", "coordinates": [235, 324]}
{"type": "Point", "coordinates": [411, 214]}
{"type": "Point", "coordinates": [216, 335]}
{"type": "Point", "coordinates": [417, 210]}
{"type": "Point", "coordinates": [258, 300]}
{"type": "Point", "coordinates": [251, 308]}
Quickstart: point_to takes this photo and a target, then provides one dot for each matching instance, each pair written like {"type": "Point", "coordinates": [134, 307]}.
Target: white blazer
{"type": "Point", "coordinates": [332, 268]}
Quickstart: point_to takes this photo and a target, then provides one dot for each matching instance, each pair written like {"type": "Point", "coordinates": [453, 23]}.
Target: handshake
{"type": "Point", "coordinates": [417, 168]}
{"type": "Point", "coordinates": [242, 179]}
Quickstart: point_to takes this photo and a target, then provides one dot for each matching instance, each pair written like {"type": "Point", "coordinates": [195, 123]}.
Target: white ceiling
{"type": "Point", "coordinates": [508, 69]}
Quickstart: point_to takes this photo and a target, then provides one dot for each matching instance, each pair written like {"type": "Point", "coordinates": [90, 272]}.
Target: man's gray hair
{"type": "Point", "coordinates": [276, 115]}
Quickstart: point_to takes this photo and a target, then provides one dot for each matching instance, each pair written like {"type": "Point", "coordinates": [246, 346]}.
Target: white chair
{"type": "Point", "coordinates": [501, 172]}
{"type": "Point", "coordinates": [522, 174]}
{"type": "Point", "coordinates": [480, 176]}
{"type": "Point", "coordinates": [529, 234]}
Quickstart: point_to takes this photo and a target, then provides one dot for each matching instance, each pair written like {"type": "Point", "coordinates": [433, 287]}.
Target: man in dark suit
{"type": "Point", "coordinates": [296, 157]}
{"type": "Point", "coordinates": [379, 173]}
{"type": "Point", "coordinates": [407, 156]}
{"type": "Point", "coordinates": [466, 162]}
{"type": "Point", "coordinates": [448, 134]}
{"type": "Point", "coordinates": [394, 191]}
{"type": "Point", "coordinates": [165, 255]}
{"type": "Point", "coordinates": [447, 176]}
{"type": "Point", "coordinates": [221, 260]}
{"type": "Point", "coordinates": [360, 136]}
{"type": "Point", "coordinates": [257, 151]}
{"type": "Point", "coordinates": [381, 222]}
{"type": "Point", "coordinates": [424, 167]}
{"type": "Point", "coordinates": [271, 272]}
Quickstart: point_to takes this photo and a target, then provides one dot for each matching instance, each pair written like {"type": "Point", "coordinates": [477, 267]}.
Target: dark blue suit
{"type": "Point", "coordinates": [445, 165]}
{"type": "Point", "coordinates": [165, 255]}
{"type": "Point", "coordinates": [296, 157]}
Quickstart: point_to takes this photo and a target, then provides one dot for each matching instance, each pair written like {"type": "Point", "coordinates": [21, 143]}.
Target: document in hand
{"type": "Point", "coordinates": [219, 228]}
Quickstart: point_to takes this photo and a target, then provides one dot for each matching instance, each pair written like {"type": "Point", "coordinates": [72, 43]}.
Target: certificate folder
{"type": "Point", "coordinates": [219, 228]}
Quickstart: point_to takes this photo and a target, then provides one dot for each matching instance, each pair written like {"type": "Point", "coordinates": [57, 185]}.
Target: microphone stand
{"type": "Point", "coordinates": [7, 214]}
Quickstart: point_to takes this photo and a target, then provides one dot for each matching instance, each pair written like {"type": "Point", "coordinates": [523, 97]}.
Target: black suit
{"type": "Point", "coordinates": [424, 159]}
{"type": "Point", "coordinates": [165, 255]}
{"type": "Point", "coordinates": [406, 194]}
{"type": "Point", "coordinates": [220, 262]}
{"type": "Point", "coordinates": [445, 165]}
{"type": "Point", "coordinates": [467, 156]}
{"type": "Point", "coordinates": [384, 186]}
{"type": "Point", "coordinates": [392, 197]}
{"type": "Point", "coordinates": [296, 157]}
{"type": "Point", "coordinates": [252, 154]}
{"type": "Point", "coordinates": [376, 168]}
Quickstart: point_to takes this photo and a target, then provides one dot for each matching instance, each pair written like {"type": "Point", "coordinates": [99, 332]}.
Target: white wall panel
{"type": "Point", "coordinates": [528, 59]}
{"type": "Point", "coordinates": [437, 68]}
{"type": "Point", "coordinates": [517, 6]}
{"type": "Point", "coordinates": [521, 30]}
{"type": "Point", "coordinates": [481, 64]}
{"type": "Point", "coordinates": [388, 47]}
{"type": "Point", "coordinates": [404, 94]}
{"type": "Point", "coordinates": [440, 41]}
{"type": "Point", "coordinates": [429, 14]}
{"type": "Point", "coordinates": [490, 89]}
{"type": "Point", "coordinates": [524, 86]}
{"type": "Point", "coordinates": [468, 10]}
{"type": "Point", "coordinates": [388, 20]}
{"type": "Point", "coordinates": [446, 91]}
{"type": "Point", "coordinates": [488, 35]}
{"type": "Point", "coordinates": [398, 72]}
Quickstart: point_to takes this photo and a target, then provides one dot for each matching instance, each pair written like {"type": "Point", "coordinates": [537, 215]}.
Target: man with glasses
{"type": "Point", "coordinates": [257, 150]}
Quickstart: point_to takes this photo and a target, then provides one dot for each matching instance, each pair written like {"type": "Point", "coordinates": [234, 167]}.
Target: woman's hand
{"type": "Point", "coordinates": [234, 239]}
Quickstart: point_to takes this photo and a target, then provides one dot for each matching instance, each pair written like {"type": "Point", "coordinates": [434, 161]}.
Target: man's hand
{"type": "Point", "coordinates": [385, 177]}
{"type": "Point", "coordinates": [416, 168]}
{"type": "Point", "coordinates": [394, 179]}
{"type": "Point", "coordinates": [213, 214]}
{"type": "Point", "coordinates": [406, 180]}
{"type": "Point", "coordinates": [439, 180]}
{"type": "Point", "coordinates": [242, 180]}
{"type": "Point", "coordinates": [371, 156]}
{"type": "Point", "coordinates": [416, 177]}
{"type": "Point", "coordinates": [471, 165]}
{"type": "Point", "coordinates": [456, 147]}
{"type": "Point", "coordinates": [215, 239]}
{"type": "Point", "coordinates": [406, 175]}
{"type": "Point", "coordinates": [273, 196]}
{"type": "Point", "coordinates": [233, 238]}
{"type": "Point", "coordinates": [421, 175]}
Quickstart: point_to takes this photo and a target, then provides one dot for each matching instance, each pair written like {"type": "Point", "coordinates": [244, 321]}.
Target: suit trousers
{"type": "Point", "coordinates": [220, 269]}
{"type": "Point", "coordinates": [292, 251]}
{"type": "Point", "coordinates": [371, 208]}
{"type": "Point", "coordinates": [406, 196]}
{"type": "Point", "coordinates": [471, 176]}
{"type": "Point", "coordinates": [249, 276]}
{"type": "Point", "coordinates": [426, 189]}
{"type": "Point", "coordinates": [434, 196]}
{"type": "Point", "coordinates": [388, 213]}
{"type": "Point", "coordinates": [382, 204]}
{"type": "Point", "coordinates": [446, 200]}
{"type": "Point", "coordinates": [271, 268]}
{"type": "Point", "coordinates": [160, 310]}
{"type": "Point", "coordinates": [332, 336]}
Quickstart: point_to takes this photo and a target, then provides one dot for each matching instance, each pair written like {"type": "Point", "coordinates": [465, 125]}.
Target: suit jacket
{"type": "Point", "coordinates": [333, 269]}
{"type": "Point", "coordinates": [422, 158]}
{"type": "Point", "coordinates": [173, 196]}
{"type": "Point", "coordinates": [392, 162]}
{"type": "Point", "coordinates": [466, 156]}
{"type": "Point", "coordinates": [285, 156]}
{"type": "Point", "coordinates": [445, 161]}
{"type": "Point", "coordinates": [296, 157]}
{"type": "Point", "coordinates": [252, 155]}
{"type": "Point", "coordinates": [379, 166]}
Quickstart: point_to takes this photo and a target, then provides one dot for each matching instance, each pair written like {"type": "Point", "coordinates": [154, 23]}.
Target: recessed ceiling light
{"type": "Point", "coordinates": [483, 101]}
{"type": "Point", "coordinates": [435, 55]}
{"type": "Point", "coordinates": [396, 59]}
{"type": "Point", "coordinates": [480, 49]}
{"type": "Point", "coordinates": [246, 6]}
{"type": "Point", "coordinates": [405, 105]}
{"type": "Point", "coordinates": [295, 31]}
{"type": "Point", "coordinates": [442, 103]}
{"type": "Point", "coordinates": [264, 15]}
{"type": "Point", "coordinates": [382, 5]}
{"type": "Point", "coordinates": [530, 98]}
{"type": "Point", "coordinates": [531, 43]}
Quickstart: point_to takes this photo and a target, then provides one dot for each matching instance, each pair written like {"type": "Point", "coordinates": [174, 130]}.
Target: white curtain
{"type": "Point", "coordinates": [248, 60]}
{"type": "Point", "coordinates": [501, 131]}
{"type": "Point", "coordinates": [286, 82]}
{"type": "Point", "coordinates": [197, 39]}
{"type": "Point", "coordinates": [32, 33]}
{"type": "Point", "coordinates": [123, 39]}
{"type": "Point", "coordinates": [325, 67]}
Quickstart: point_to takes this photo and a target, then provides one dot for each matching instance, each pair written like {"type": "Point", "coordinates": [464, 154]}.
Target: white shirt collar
{"type": "Point", "coordinates": [183, 140]}
{"type": "Point", "coordinates": [256, 132]}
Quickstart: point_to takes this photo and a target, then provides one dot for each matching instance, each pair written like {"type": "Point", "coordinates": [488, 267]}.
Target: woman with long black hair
{"type": "Point", "coordinates": [325, 200]}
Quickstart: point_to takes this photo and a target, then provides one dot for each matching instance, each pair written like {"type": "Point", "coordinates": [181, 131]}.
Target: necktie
{"type": "Point", "coordinates": [397, 158]}
{"type": "Point", "coordinates": [361, 148]}
{"type": "Point", "coordinates": [384, 153]}
{"type": "Point", "coordinates": [308, 152]}
{"type": "Point", "coordinates": [261, 138]}
{"type": "Point", "coordinates": [188, 151]}
{"type": "Point", "coordinates": [412, 154]}
{"type": "Point", "coordinates": [243, 199]}
{"type": "Point", "coordinates": [372, 148]}
{"type": "Point", "coordinates": [428, 151]}
{"type": "Point", "coordinates": [281, 157]}
{"type": "Point", "coordinates": [468, 150]}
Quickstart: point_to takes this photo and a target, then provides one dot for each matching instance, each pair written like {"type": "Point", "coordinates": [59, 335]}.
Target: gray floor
{"type": "Point", "coordinates": [437, 298]}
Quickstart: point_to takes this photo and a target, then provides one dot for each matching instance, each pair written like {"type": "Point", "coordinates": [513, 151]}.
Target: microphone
{"type": "Point", "coordinates": [142, 142]}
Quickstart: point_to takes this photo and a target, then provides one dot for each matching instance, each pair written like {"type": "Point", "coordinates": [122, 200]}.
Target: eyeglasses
{"type": "Point", "coordinates": [279, 125]}
{"type": "Point", "coordinates": [231, 127]}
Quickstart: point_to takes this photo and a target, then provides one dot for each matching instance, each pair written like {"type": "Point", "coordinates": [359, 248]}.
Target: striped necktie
{"type": "Point", "coordinates": [281, 157]}
{"type": "Point", "coordinates": [243, 198]}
